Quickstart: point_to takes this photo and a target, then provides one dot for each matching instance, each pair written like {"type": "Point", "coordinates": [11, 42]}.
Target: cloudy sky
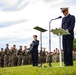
{"type": "Point", "coordinates": [19, 17]}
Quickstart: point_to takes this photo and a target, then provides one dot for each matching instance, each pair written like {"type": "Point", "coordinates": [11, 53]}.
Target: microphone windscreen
{"type": "Point", "coordinates": [60, 17]}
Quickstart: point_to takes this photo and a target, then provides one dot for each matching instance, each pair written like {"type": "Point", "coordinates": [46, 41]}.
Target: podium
{"type": "Point", "coordinates": [60, 32]}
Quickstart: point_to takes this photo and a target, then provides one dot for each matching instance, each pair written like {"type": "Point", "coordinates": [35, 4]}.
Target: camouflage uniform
{"type": "Point", "coordinates": [29, 58]}
{"type": "Point", "coordinates": [6, 57]}
{"type": "Point", "coordinates": [44, 56]}
{"type": "Point", "coordinates": [49, 59]}
{"type": "Point", "coordinates": [57, 55]}
{"type": "Point", "coordinates": [75, 55]}
{"type": "Point", "coordinates": [41, 58]}
{"type": "Point", "coordinates": [24, 57]}
{"type": "Point", "coordinates": [14, 56]}
{"type": "Point", "coordinates": [2, 57]}
{"type": "Point", "coordinates": [54, 56]}
{"type": "Point", "coordinates": [19, 56]}
{"type": "Point", "coordinates": [62, 52]}
{"type": "Point", "coordinates": [10, 57]}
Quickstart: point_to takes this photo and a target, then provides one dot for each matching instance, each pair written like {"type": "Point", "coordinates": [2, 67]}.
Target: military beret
{"type": "Point", "coordinates": [1, 48]}
{"type": "Point", "coordinates": [20, 46]}
{"type": "Point", "coordinates": [14, 45]}
{"type": "Point", "coordinates": [7, 44]}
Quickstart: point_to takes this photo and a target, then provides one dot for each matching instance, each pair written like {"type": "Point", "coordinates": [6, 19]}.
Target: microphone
{"type": "Point", "coordinates": [57, 18]}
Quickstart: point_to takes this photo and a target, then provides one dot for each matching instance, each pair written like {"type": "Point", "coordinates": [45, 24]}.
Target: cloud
{"type": "Point", "coordinates": [17, 26]}
{"type": "Point", "coordinates": [51, 2]}
{"type": "Point", "coordinates": [7, 24]}
{"type": "Point", "coordinates": [22, 6]}
{"type": "Point", "coordinates": [62, 3]}
{"type": "Point", "coordinates": [2, 4]}
{"type": "Point", "coordinates": [13, 5]}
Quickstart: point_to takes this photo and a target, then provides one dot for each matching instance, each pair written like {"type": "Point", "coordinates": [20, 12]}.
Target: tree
{"type": "Point", "coordinates": [74, 44]}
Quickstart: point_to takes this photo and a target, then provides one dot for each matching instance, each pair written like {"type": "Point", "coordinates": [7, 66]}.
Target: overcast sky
{"type": "Point", "coordinates": [19, 17]}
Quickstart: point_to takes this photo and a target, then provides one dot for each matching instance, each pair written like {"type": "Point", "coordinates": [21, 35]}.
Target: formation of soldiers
{"type": "Point", "coordinates": [13, 57]}
{"type": "Point", "coordinates": [54, 56]}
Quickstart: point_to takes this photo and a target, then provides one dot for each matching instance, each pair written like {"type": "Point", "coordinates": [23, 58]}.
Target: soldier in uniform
{"type": "Point", "coordinates": [68, 23]}
{"type": "Point", "coordinates": [54, 56]}
{"type": "Point", "coordinates": [14, 56]}
{"type": "Point", "coordinates": [47, 58]}
{"type": "Point", "coordinates": [44, 56]}
{"type": "Point", "coordinates": [19, 56]}
{"type": "Point", "coordinates": [6, 56]}
{"type": "Point", "coordinates": [50, 59]}
{"type": "Point", "coordinates": [57, 55]}
{"type": "Point", "coordinates": [62, 52]}
{"type": "Point", "coordinates": [2, 57]}
{"type": "Point", "coordinates": [24, 55]}
{"type": "Point", "coordinates": [10, 57]}
{"type": "Point", "coordinates": [28, 57]}
{"type": "Point", "coordinates": [39, 60]}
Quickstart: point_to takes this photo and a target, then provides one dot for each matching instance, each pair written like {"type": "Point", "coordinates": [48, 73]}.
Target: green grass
{"type": "Point", "coordinates": [30, 70]}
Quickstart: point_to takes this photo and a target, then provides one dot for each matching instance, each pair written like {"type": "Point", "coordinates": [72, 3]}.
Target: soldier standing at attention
{"type": "Point", "coordinates": [6, 56]}
{"type": "Point", "coordinates": [14, 56]}
{"type": "Point", "coordinates": [50, 59]}
{"type": "Point", "coordinates": [57, 55]}
{"type": "Point", "coordinates": [2, 57]}
{"type": "Point", "coordinates": [20, 56]}
{"type": "Point", "coordinates": [68, 23]}
{"type": "Point", "coordinates": [10, 57]}
{"type": "Point", "coordinates": [54, 56]}
{"type": "Point", "coordinates": [44, 56]}
{"type": "Point", "coordinates": [28, 57]}
{"type": "Point", "coordinates": [24, 55]}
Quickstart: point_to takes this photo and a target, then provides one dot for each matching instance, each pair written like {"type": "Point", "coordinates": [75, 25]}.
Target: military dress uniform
{"type": "Point", "coordinates": [68, 23]}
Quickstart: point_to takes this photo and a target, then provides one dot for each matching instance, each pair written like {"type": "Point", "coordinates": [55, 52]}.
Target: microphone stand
{"type": "Point", "coordinates": [50, 42]}
{"type": "Point", "coordinates": [50, 35]}
{"type": "Point", "coordinates": [50, 39]}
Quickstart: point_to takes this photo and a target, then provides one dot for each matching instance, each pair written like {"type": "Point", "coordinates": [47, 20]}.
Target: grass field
{"type": "Point", "coordinates": [30, 70]}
